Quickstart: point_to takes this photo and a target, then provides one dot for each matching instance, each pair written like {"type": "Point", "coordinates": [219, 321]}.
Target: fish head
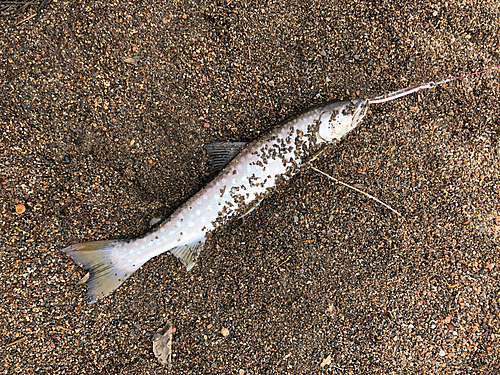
{"type": "Point", "coordinates": [339, 118]}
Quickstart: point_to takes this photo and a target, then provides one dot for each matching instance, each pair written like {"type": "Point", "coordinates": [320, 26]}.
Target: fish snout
{"type": "Point", "coordinates": [341, 118]}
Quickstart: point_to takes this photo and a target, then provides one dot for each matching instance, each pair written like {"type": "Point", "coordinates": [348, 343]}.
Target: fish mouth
{"type": "Point", "coordinates": [360, 111]}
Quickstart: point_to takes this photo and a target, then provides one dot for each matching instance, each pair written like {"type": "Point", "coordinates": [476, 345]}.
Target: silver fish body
{"type": "Point", "coordinates": [237, 189]}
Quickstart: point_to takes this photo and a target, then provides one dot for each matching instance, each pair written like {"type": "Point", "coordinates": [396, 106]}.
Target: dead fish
{"type": "Point", "coordinates": [247, 173]}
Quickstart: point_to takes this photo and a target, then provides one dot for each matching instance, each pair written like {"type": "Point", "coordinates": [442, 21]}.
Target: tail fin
{"type": "Point", "coordinates": [105, 275]}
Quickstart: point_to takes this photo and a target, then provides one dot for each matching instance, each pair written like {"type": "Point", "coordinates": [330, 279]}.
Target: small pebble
{"type": "Point", "coordinates": [20, 208]}
{"type": "Point", "coordinates": [326, 361]}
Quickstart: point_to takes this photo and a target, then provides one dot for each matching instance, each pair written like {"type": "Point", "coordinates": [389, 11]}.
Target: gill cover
{"type": "Point", "coordinates": [340, 118]}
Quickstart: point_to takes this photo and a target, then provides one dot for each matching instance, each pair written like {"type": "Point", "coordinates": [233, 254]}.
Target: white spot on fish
{"type": "Point", "coordinates": [178, 224]}
{"type": "Point", "coordinates": [205, 197]}
{"type": "Point", "coordinates": [191, 224]}
{"type": "Point", "coordinates": [203, 219]}
{"type": "Point", "coordinates": [216, 196]}
{"type": "Point", "coordinates": [198, 212]}
{"type": "Point", "coordinates": [171, 232]}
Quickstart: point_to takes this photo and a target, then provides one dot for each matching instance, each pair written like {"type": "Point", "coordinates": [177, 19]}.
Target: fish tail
{"type": "Point", "coordinates": [104, 274]}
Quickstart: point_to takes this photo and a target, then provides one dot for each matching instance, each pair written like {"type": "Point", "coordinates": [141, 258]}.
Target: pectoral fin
{"type": "Point", "coordinates": [250, 207]}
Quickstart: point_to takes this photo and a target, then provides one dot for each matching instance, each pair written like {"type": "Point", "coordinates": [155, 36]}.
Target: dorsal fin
{"type": "Point", "coordinates": [221, 153]}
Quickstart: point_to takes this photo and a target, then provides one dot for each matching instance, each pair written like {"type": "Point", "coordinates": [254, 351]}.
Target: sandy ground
{"type": "Point", "coordinates": [104, 111]}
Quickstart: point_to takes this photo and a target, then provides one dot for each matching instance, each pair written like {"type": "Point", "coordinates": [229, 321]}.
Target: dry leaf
{"type": "Point", "coordinates": [225, 332]}
{"type": "Point", "coordinates": [130, 60]}
{"type": "Point", "coordinates": [326, 361]}
{"type": "Point", "coordinates": [162, 345]}
{"type": "Point", "coordinates": [84, 279]}
{"type": "Point", "coordinates": [20, 208]}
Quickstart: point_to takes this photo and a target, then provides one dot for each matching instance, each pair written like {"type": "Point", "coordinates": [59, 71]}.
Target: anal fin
{"type": "Point", "coordinates": [188, 253]}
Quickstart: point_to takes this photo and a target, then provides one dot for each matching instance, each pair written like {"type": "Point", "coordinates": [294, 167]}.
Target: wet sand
{"type": "Point", "coordinates": [104, 111]}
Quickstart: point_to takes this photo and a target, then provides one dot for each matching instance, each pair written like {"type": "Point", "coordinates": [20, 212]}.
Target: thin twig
{"type": "Point", "coordinates": [355, 189]}
{"type": "Point", "coordinates": [280, 264]}
{"type": "Point", "coordinates": [337, 367]}
{"type": "Point", "coordinates": [26, 19]}
{"type": "Point", "coordinates": [15, 342]}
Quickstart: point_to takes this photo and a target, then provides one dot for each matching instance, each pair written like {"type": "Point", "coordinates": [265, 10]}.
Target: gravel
{"type": "Point", "coordinates": [104, 111]}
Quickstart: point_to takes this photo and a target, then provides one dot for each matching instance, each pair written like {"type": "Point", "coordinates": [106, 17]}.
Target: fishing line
{"type": "Point", "coordinates": [403, 92]}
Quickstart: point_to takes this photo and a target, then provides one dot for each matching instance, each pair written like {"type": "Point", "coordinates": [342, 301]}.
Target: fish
{"type": "Point", "coordinates": [247, 173]}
